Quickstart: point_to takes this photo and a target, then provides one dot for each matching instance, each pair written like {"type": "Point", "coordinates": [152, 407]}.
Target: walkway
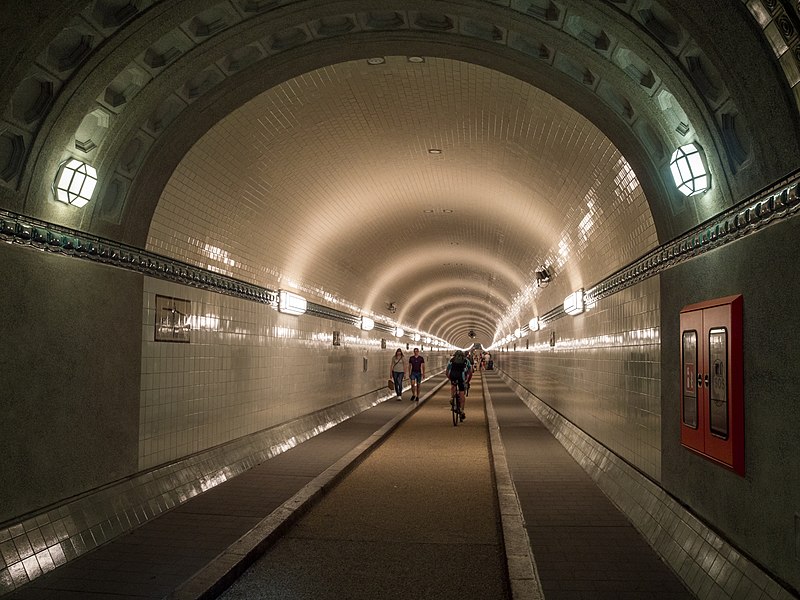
{"type": "Point", "coordinates": [385, 530]}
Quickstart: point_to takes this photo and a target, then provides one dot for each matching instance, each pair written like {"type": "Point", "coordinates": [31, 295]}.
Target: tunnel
{"type": "Point", "coordinates": [222, 218]}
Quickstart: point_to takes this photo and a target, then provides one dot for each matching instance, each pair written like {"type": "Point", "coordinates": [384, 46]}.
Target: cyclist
{"type": "Point", "coordinates": [458, 369]}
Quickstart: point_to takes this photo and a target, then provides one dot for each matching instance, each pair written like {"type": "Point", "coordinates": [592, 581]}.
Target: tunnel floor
{"type": "Point", "coordinates": [414, 515]}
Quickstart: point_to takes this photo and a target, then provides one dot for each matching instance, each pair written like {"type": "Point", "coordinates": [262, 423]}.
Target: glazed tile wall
{"type": "Point", "coordinates": [603, 374]}
{"type": "Point", "coordinates": [247, 368]}
{"type": "Point", "coordinates": [706, 563]}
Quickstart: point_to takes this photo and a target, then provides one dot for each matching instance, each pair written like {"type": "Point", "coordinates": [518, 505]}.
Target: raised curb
{"type": "Point", "coordinates": [210, 581]}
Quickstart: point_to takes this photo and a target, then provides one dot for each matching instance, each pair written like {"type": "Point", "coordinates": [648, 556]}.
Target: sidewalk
{"type": "Point", "coordinates": [188, 551]}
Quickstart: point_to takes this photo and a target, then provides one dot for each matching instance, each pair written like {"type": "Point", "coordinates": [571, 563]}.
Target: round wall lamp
{"type": "Point", "coordinates": [75, 183]}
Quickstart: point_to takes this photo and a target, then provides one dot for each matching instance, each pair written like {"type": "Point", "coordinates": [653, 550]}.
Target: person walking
{"type": "Point", "coordinates": [416, 373]}
{"type": "Point", "coordinates": [397, 372]}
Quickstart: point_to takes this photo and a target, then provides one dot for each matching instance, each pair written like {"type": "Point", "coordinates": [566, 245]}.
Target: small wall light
{"type": "Point", "coordinates": [291, 304]}
{"type": "Point", "coordinates": [367, 324]}
{"type": "Point", "coordinates": [542, 275]}
{"type": "Point", "coordinates": [533, 324]}
{"type": "Point", "coordinates": [75, 183]}
{"type": "Point", "coordinates": [573, 304]}
{"type": "Point", "coordinates": [399, 332]}
{"type": "Point", "coordinates": [689, 170]}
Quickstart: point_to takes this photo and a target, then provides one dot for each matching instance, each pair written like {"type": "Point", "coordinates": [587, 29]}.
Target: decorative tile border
{"type": "Point", "coordinates": [708, 566]}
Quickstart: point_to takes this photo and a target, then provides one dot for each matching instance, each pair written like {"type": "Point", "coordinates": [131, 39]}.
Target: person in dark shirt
{"type": "Point", "coordinates": [416, 373]}
{"type": "Point", "coordinates": [458, 369]}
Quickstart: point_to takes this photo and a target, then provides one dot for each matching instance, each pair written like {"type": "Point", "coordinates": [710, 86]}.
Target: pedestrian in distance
{"type": "Point", "coordinates": [416, 373]}
{"type": "Point", "coordinates": [397, 372]}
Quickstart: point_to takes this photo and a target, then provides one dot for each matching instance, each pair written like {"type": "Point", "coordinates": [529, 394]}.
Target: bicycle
{"type": "Point", "coordinates": [454, 409]}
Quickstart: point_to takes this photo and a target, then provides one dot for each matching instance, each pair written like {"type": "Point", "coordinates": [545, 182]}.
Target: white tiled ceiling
{"type": "Point", "coordinates": [326, 183]}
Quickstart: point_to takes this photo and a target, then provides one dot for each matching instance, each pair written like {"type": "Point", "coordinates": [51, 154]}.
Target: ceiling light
{"type": "Point", "coordinates": [689, 170]}
{"type": "Point", "coordinates": [75, 183]}
{"type": "Point", "coordinates": [399, 332]}
{"type": "Point", "coordinates": [434, 150]}
{"type": "Point", "coordinates": [291, 304]}
{"type": "Point", "coordinates": [416, 59]}
{"type": "Point", "coordinates": [367, 324]}
{"type": "Point", "coordinates": [417, 337]}
{"type": "Point", "coordinates": [517, 333]}
{"type": "Point", "coordinates": [573, 304]}
{"type": "Point", "coordinates": [533, 324]}
{"type": "Point", "coordinates": [377, 60]}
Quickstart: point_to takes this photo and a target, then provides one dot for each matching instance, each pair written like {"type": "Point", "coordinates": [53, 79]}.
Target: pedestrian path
{"type": "Point", "coordinates": [354, 513]}
{"type": "Point", "coordinates": [417, 519]}
{"type": "Point", "coordinates": [198, 547]}
{"type": "Point", "coordinates": [583, 546]}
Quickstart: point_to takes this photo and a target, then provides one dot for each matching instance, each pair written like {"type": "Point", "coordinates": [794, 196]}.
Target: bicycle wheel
{"type": "Point", "coordinates": [454, 409]}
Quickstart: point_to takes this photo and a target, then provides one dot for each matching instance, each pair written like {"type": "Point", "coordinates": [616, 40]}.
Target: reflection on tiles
{"type": "Point", "coordinates": [237, 394]}
{"type": "Point", "coordinates": [603, 373]}
{"type": "Point", "coordinates": [707, 564]}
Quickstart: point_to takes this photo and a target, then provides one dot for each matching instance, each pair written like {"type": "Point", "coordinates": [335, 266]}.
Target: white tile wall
{"type": "Point", "coordinates": [247, 368]}
{"type": "Point", "coordinates": [603, 373]}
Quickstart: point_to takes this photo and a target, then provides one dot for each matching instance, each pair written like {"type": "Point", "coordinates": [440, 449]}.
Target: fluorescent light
{"type": "Point", "coordinates": [75, 183]}
{"type": "Point", "coordinates": [573, 304]}
{"type": "Point", "coordinates": [367, 324]}
{"type": "Point", "coordinates": [291, 304]}
{"type": "Point", "coordinates": [689, 171]}
{"type": "Point", "coordinates": [533, 324]}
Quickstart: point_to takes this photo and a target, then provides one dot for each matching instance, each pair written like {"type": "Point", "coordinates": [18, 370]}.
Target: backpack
{"type": "Point", "coordinates": [459, 360]}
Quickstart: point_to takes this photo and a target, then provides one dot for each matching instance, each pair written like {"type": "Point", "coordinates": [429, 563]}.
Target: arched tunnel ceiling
{"type": "Point", "coordinates": [327, 184]}
{"type": "Point", "coordinates": [252, 136]}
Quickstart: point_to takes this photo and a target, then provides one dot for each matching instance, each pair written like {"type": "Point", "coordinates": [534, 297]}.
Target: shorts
{"type": "Point", "coordinates": [460, 383]}
{"type": "Point", "coordinates": [416, 377]}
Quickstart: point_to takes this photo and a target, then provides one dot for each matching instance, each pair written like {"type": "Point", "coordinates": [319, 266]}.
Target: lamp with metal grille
{"type": "Point", "coordinates": [689, 171]}
{"type": "Point", "coordinates": [75, 183]}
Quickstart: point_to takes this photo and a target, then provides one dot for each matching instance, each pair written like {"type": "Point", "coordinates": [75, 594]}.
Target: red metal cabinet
{"type": "Point", "coordinates": [712, 403]}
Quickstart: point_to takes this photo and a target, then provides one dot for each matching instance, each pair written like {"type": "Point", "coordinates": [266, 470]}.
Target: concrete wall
{"type": "Point", "coordinates": [757, 512]}
{"type": "Point", "coordinates": [69, 359]}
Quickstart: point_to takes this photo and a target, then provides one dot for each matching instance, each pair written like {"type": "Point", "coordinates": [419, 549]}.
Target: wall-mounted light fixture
{"type": "Point", "coordinates": [75, 182]}
{"type": "Point", "coordinates": [399, 332]}
{"type": "Point", "coordinates": [291, 304]}
{"type": "Point", "coordinates": [417, 337]}
{"type": "Point", "coordinates": [688, 166]}
{"type": "Point", "coordinates": [573, 304]}
{"type": "Point", "coordinates": [542, 276]}
{"type": "Point", "coordinates": [533, 324]}
{"type": "Point", "coordinates": [517, 333]}
{"type": "Point", "coordinates": [367, 324]}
